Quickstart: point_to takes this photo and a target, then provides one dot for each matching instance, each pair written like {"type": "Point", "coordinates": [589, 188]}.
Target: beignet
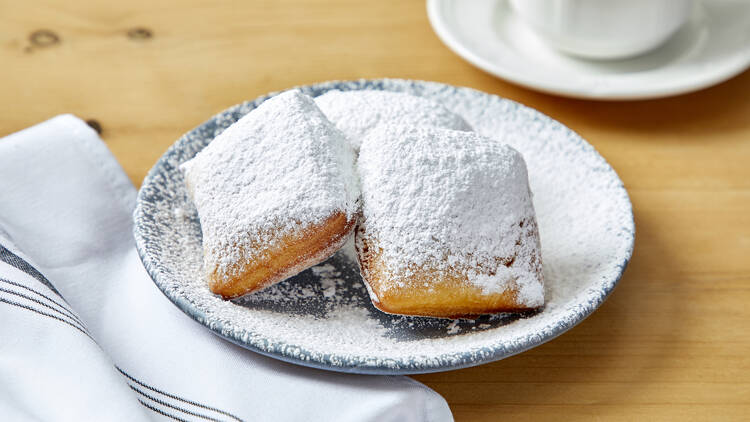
{"type": "Point", "coordinates": [358, 112]}
{"type": "Point", "coordinates": [276, 192]}
{"type": "Point", "coordinates": [448, 226]}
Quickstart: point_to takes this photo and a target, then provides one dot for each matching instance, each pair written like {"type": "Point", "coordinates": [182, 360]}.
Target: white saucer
{"type": "Point", "coordinates": [711, 48]}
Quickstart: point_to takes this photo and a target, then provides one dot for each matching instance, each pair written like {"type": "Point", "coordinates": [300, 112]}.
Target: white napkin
{"type": "Point", "coordinates": [109, 345]}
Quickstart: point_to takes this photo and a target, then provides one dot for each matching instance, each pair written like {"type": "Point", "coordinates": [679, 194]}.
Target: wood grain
{"type": "Point", "coordinates": [672, 342]}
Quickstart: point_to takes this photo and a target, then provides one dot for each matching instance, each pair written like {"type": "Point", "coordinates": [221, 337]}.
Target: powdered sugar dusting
{"type": "Point", "coordinates": [279, 169]}
{"type": "Point", "coordinates": [356, 113]}
{"type": "Point", "coordinates": [449, 200]}
{"type": "Point", "coordinates": [453, 328]}
{"type": "Point", "coordinates": [584, 218]}
{"type": "Point", "coordinates": [328, 278]}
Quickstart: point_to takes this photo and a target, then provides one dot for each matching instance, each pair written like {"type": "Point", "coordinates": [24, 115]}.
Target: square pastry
{"type": "Point", "coordinates": [448, 227]}
{"type": "Point", "coordinates": [276, 193]}
{"type": "Point", "coordinates": [358, 112]}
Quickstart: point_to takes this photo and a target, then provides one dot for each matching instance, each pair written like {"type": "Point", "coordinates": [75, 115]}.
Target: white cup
{"type": "Point", "coordinates": [604, 29]}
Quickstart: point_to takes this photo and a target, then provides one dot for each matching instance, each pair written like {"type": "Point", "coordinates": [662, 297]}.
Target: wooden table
{"type": "Point", "coordinates": [671, 343]}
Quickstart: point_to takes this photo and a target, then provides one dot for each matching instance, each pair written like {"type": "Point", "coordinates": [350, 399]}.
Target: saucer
{"type": "Point", "coordinates": [713, 46]}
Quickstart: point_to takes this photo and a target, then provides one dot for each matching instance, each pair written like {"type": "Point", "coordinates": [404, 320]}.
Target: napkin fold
{"type": "Point", "coordinates": [86, 335]}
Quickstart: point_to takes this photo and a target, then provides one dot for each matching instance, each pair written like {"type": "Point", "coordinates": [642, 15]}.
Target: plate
{"type": "Point", "coordinates": [713, 46]}
{"type": "Point", "coordinates": [323, 317]}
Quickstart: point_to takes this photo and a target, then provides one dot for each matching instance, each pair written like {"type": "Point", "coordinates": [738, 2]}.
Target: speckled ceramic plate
{"type": "Point", "coordinates": [323, 317]}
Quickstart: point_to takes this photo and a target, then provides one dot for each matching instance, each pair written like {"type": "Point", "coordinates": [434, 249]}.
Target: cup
{"type": "Point", "coordinates": [604, 29]}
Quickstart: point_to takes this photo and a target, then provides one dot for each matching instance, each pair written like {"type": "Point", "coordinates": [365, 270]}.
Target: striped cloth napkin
{"type": "Point", "coordinates": [86, 335]}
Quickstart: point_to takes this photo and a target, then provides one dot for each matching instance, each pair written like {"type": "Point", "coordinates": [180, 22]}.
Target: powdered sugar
{"type": "Point", "coordinates": [329, 278]}
{"type": "Point", "coordinates": [356, 113]}
{"type": "Point", "coordinates": [279, 169]}
{"type": "Point", "coordinates": [585, 223]}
